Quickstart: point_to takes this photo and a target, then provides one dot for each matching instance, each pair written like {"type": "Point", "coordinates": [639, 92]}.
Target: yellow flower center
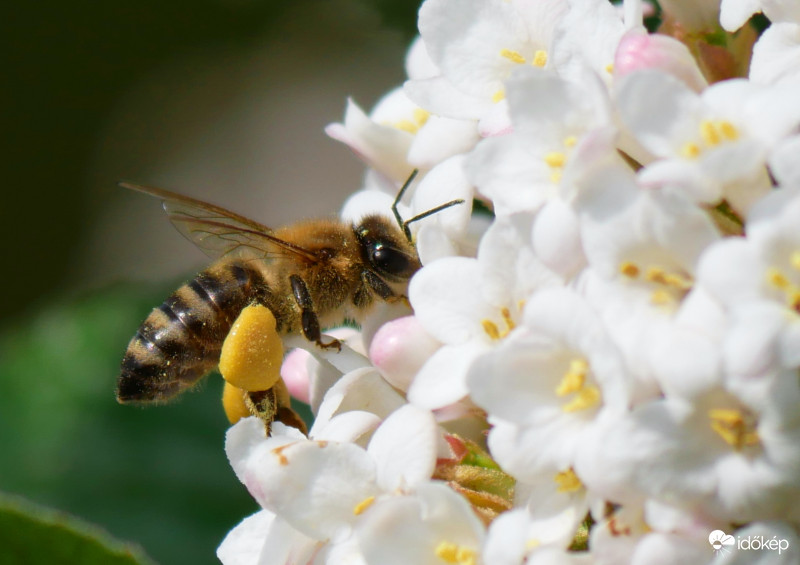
{"type": "Point", "coordinates": [495, 332]}
{"type": "Point", "coordinates": [668, 287]}
{"type": "Point", "coordinates": [711, 133]}
{"type": "Point", "coordinates": [452, 553]}
{"type": "Point", "coordinates": [780, 282]}
{"type": "Point", "coordinates": [574, 383]}
{"type": "Point", "coordinates": [733, 426]}
{"type": "Point", "coordinates": [567, 481]}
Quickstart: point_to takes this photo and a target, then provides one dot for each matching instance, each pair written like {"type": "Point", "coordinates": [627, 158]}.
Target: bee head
{"type": "Point", "coordinates": [386, 250]}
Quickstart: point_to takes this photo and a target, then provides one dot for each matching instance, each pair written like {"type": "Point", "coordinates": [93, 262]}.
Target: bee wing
{"type": "Point", "coordinates": [220, 232]}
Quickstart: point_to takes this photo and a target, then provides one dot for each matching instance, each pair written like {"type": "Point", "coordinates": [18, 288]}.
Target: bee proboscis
{"type": "Point", "coordinates": [311, 275]}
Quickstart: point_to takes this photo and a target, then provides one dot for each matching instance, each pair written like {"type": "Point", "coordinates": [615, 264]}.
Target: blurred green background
{"type": "Point", "coordinates": [220, 99]}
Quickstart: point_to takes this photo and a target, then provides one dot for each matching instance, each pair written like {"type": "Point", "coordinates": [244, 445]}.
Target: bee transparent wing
{"type": "Point", "coordinates": [220, 232]}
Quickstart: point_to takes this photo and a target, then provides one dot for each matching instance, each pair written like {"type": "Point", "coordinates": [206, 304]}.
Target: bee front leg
{"type": "Point", "coordinates": [379, 287]}
{"type": "Point", "coordinates": [308, 317]}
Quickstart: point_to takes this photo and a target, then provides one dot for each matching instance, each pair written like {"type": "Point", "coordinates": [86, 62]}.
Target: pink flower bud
{"type": "Point", "coordinates": [399, 349]}
{"type": "Point", "coordinates": [638, 50]}
{"type": "Point", "coordinates": [295, 374]}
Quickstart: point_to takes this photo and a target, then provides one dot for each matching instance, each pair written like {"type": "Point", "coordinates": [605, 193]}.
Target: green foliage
{"type": "Point", "coordinates": [33, 535]}
{"type": "Point", "coordinates": [157, 476]}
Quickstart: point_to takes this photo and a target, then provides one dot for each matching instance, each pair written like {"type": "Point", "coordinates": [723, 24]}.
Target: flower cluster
{"type": "Point", "coordinates": [602, 368]}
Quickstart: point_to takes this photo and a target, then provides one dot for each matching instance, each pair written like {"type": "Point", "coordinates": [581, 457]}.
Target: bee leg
{"type": "Point", "coordinates": [308, 318]}
{"type": "Point", "coordinates": [264, 404]}
{"type": "Point", "coordinates": [379, 287]}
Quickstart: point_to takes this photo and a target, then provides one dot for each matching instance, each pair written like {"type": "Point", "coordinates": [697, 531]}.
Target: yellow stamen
{"type": "Point", "coordinates": [570, 141]}
{"type": "Point", "coordinates": [777, 279]}
{"type": "Point", "coordinates": [420, 116]}
{"type": "Point", "coordinates": [710, 133]}
{"type": "Point", "coordinates": [690, 150]}
{"type": "Point", "coordinates": [733, 427]}
{"type": "Point", "coordinates": [656, 275]}
{"type": "Point", "coordinates": [660, 297]}
{"type": "Point", "coordinates": [588, 397]}
{"type": "Point", "coordinates": [532, 543]}
{"type": "Point", "coordinates": [363, 505]}
{"type": "Point", "coordinates": [728, 130]}
{"type": "Point", "coordinates": [406, 125]}
{"type": "Point", "coordinates": [567, 481]}
{"type": "Point", "coordinates": [609, 68]}
{"type": "Point", "coordinates": [795, 260]}
{"type": "Point", "coordinates": [555, 177]}
{"type": "Point", "coordinates": [539, 58]}
{"type": "Point", "coordinates": [574, 379]}
{"type": "Point", "coordinates": [498, 96]}
{"type": "Point", "coordinates": [555, 159]}
{"type": "Point", "coordinates": [452, 553]}
{"type": "Point", "coordinates": [513, 56]}
{"type": "Point", "coordinates": [678, 281]}
{"type": "Point", "coordinates": [629, 269]}
{"type": "Point", "coordinates": [510, 325]}
{"type": "Point", "coordinates": [491, 329]}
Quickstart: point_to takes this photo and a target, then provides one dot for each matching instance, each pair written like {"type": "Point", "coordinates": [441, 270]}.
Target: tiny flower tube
{"type": "Point", "coordinates": [638, 50]}
{"type": "Point", "coordinates": [400, 348]}
{"type": "Point", "coordinates": [253, 351]}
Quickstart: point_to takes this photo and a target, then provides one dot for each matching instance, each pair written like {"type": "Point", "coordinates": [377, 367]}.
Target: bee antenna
{"type": "Point", "coordinates": [404, 223]}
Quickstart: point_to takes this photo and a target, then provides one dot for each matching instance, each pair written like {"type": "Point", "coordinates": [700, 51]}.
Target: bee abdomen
{"type": "Point", "coordinates": [180, 341]}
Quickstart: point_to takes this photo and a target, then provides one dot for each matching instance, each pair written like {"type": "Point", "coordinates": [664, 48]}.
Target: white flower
{"type": "Point", "coordinates": [432, 526]}
{"type": "Point", "coordinates": [469, 305]}
{"type": "Point", "coordinates": [476, 44]}
{"type": "Point", "coordinates": [525, 169]}
{"type": "Point", "coordinates": [712, 146]}
{"type": "Point", "coordinates": [734, 13]}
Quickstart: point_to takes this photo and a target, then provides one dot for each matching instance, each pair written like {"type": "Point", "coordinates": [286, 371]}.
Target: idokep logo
{"type": "Point", "coordinates": [720, 541]}
{"type": "Point", "coordinates": [725, 543]}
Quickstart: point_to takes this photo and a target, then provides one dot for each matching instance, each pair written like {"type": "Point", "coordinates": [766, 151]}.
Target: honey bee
{"type": "Point", "coordinates": [310, 275]}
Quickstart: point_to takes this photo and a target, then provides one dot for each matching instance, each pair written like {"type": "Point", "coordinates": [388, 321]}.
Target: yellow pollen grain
{"type": "Point", "coordinates": [777, 279]}
{"type": "Point", "coordinates": [609, 68]}
{"type": "Point", "coordinates": [690, 150]}
{"type": "Point", "coordinates": [567, 481]}
{"type": "Point", "coordinates": [513, 56]}
{"type": "Point", "coordinates": [506, 313]}
{"type": "Point", "coordinates": [452, 553]}
{"type": "Point", "coordinates": [709, 132]}
{"type": "Point", "coordinates": [588, 397]}
{"type": "Point", "coordinates": [732, 427]}
{"type": "Point", "coordinates": [539, 58]}
{"type": "Point", "coordinates": [363, 505]}
{"type": "Point", "coordinates": [491, 329]}
{"type": "Point", "coordinates": [570, 141]}
{"type": "Point", "coordinates": [629, 269]}
{"type": "Point", "coordinates": [795, 260]}
{"type": "Point", "coordinates": [555, 159]}
{"type": "Point", "coordinates": [574, 379]}
{"type": "Point", "coordinates": [728, 130]}
{"type": "Point", "coordinates": [498, 96]}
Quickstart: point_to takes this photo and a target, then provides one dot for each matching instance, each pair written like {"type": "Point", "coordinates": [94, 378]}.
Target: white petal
{"type": "Point", "coordinates": [404, 448]}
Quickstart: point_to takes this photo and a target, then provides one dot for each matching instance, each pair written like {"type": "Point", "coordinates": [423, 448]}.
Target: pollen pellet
{"type": "Point", "coordinates": [233, 403]}
{"type": "Point", "coordinates": [252, 353]}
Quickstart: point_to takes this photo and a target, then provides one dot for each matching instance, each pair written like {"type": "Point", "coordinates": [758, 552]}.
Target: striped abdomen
{"type": "Point", "coordinates": [180, 341]}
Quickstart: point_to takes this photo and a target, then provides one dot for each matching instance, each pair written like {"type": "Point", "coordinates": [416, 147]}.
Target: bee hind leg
{"type": "Point", "coordinates": [308, 318]}
{"type": "Point", "coordinates": [379, 287]}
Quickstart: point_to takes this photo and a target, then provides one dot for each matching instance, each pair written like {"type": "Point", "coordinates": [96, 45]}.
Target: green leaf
{"type": "Point", "coordinates": [31, 534]}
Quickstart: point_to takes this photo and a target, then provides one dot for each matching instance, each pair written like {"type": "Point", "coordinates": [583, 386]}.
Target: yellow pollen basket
{"type": "Point", "coordinates": [567, 481]}
{"type": "Point", "coordinates": [733, 427]}
{"type": "Point", "coordinates": [452, 553]}
{"type": "Point", "coordinates": [252, 353]}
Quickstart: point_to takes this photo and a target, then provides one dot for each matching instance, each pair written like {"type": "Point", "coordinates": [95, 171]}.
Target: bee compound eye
{"type": "Point", "coordinates": [390, 260]}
